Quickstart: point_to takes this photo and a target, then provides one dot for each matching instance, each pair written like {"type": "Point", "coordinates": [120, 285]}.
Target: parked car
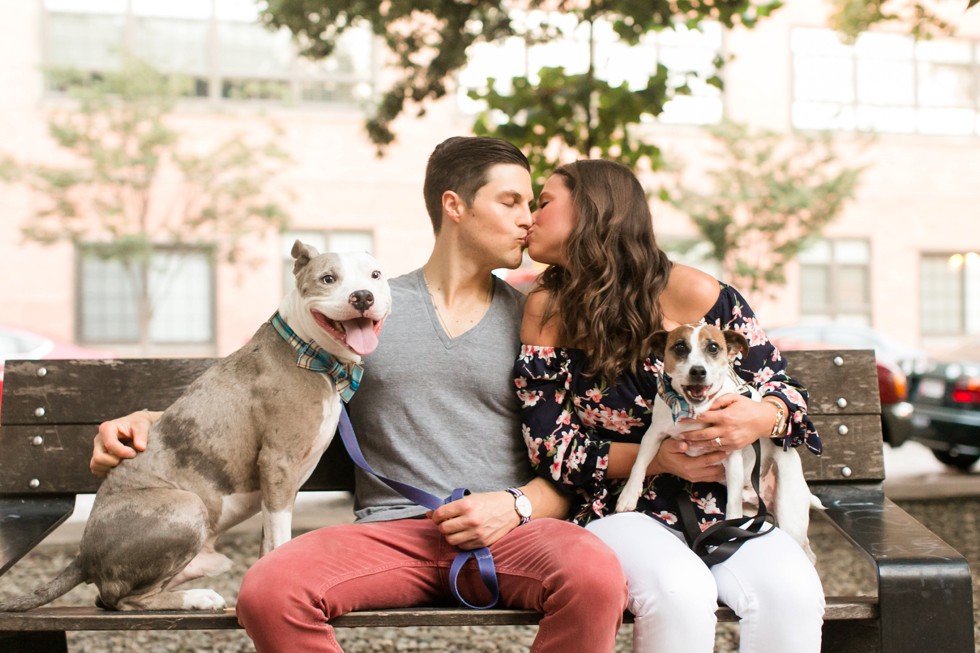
{"type": "Point", "coordinates": [946, 397]}
{"type": "Point", "coordinates": [892, 359]}
{"type": "Point", "coordinates": [29, 345]}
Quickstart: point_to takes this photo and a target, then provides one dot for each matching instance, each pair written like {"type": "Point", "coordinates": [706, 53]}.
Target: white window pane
{"type": "Point", "coordinates": [945, 85]}
{"type": "Point", "coordinates": [821, 115]}
{"type": "Point", "coordinates": [945, 50]}
{"type": "Point", "coordinates": [181, 284]}
{"type": "Point", "coordinates": [195, 9]}
{"type": "Point", "coordinates": [817, 252]}
{"type": "Point", "coordinates": [940, 296]}
{"type": "Point", "coordinates": [887, 119]}
{"type": "Point", "coordinates": [881, 44]}
{"type": "Point", "coordinates": [886, 82]}
{"type": "Point", "coordinates": [172, 45]}
{"type": "Point", "coordinates": [807, 40]}
{"type": "Point", "coordinates": [108, 302]}
{"type": "Point", "coordinates": [822, 78]}
{"type": "Point", "coordinates": [971, 292]}
{"type": "Point", "coordinates": [250, 50]}
{"type": "Point", "coordinates": [83, 41]}
{"type": "Point", "coordinates": [847, 251]}
{"type": "Point", "coordinates": [352, 241]}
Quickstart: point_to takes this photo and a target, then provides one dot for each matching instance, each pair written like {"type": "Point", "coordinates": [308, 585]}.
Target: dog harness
{"type": "Point", "coordinates": [346, 377]}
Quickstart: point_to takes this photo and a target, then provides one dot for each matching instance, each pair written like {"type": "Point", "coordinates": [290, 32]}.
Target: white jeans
{"type": "Point", "coordinates": [768, 582]}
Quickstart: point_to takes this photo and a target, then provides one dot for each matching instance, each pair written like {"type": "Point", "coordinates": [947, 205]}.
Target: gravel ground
{"type": "Point", "coordinates": [841, 569]}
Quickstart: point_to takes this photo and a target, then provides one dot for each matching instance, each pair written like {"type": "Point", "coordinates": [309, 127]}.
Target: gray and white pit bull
{"type": "Point", "coordinates": [243, 437]}
{"type": "Point", "coordinates": [698, 360]}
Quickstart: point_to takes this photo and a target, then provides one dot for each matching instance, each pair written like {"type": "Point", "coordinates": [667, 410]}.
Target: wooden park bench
{"type": "Point", "coordinates": [51, 409]}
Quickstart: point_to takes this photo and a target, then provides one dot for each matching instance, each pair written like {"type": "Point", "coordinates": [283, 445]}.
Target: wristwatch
{"type": "Point", "coordinates": [522, 505]}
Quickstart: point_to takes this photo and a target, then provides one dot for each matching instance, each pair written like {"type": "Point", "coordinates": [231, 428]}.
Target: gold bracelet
{"type": "Point", "coordinates": [779, 428]}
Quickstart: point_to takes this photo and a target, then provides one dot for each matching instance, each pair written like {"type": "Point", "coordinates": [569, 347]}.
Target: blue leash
{"type": "Point", "coordinates": [483, 557]}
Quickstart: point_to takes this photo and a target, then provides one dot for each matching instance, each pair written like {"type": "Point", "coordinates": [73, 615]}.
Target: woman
{"type": "Point", "coordinates": [587, 381]}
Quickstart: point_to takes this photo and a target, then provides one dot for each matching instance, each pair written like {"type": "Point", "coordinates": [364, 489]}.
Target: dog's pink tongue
{"type": "Point", "coordinates": [361, 336]}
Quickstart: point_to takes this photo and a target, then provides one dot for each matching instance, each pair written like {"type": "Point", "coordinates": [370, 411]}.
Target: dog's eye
{"type": "Point", "coordinates": [712, 347]}
{"type": "Point", "coordinates": [680, 348]}
{"type": "Point", "coordinates": [328, 279]}
{"type": "Point", "coordinates": [376, 274]}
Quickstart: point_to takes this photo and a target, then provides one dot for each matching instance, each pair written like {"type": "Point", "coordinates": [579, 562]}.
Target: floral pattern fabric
{"type": "Point", "coordinates": [569, 419]}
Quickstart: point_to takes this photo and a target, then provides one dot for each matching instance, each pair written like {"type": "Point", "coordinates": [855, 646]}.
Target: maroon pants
{"type": "Point", "coordinates": [289, 596]}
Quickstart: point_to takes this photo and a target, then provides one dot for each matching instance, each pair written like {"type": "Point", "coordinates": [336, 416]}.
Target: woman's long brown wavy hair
{"type": "Point", "coordinates": [607, 299]}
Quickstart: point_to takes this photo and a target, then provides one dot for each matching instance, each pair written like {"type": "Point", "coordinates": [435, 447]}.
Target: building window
{"type": "Point", "coordinates": [219, 45]}
{"type": "Point", "coordinates": [949, 294]}
{"type": "Point", "coordinates": [688, 54]}
{"type": "Point", "coordinates": [835, 281]}
{"type": "Point", "coordinates": [885, 83]}
{"type": "Point", "coordinates": [323, 241]}
{"type": "Point", "coordinates": [181, 295]}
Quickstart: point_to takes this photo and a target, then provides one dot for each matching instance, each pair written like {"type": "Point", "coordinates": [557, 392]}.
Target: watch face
{"type": "Point", "coordinates": [523, 505]}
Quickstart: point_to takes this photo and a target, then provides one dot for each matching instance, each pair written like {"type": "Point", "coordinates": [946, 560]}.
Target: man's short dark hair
{"type": "Point", "coordinates": [460, 164]}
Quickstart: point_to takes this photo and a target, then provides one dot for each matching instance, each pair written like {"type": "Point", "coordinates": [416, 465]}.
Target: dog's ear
{"type": "Point", "coordinates": [737, 344]}
{"type": "Point", "coordinates": [659, 343]}
{"type": "Point", "coordinates": [302, 253]}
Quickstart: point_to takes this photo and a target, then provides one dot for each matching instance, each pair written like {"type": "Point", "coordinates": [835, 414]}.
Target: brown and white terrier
{"type": "Point", "coordinates": [698, 369]}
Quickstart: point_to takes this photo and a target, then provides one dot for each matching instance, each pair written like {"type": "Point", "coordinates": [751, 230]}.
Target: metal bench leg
{"type": "Point", "coordinates": [34, 642]}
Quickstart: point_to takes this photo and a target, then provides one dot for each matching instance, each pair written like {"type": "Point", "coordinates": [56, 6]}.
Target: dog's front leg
{"type": "Point", "coordinates": [649, 446]}
{"type": "Point", "coordinates": [279, 487]}
{"type": "Point", "coordinates": [735, 480]}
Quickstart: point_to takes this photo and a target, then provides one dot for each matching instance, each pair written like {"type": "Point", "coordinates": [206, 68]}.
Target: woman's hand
{"type": "Point", "coordinates": [672, 459]}
{"type": "Point", "coordinates": [732, 422]}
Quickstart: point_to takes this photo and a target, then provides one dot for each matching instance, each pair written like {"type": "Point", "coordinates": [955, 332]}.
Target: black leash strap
{"type": "Point", "coordinates": [719, 541]}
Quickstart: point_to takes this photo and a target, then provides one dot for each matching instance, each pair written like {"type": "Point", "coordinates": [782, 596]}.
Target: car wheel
{"type": "Point", "coordinates": [959, 461]}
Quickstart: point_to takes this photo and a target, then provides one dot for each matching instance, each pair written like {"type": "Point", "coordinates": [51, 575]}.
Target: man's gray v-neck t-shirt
{"type": "Point", "coordinates": [438, 412]}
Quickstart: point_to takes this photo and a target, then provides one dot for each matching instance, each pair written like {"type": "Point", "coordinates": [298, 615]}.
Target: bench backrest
{"type": "Point", "coordinates": [51, 411]}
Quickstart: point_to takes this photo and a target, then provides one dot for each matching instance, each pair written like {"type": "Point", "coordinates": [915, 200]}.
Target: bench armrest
{"type": "Point", "coordinates": [25, 521]}
{"type": "Point", "coordinates": [924, 586]}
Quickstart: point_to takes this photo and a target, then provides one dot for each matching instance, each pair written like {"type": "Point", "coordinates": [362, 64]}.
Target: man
{"type": "Point", "coordinates": [436, 410]}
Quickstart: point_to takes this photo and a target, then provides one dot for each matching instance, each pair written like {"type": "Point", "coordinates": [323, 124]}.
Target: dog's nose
{"type": "Point", "coordinates": [698, 373]}
{"type": "Point", "coordinates": [361, 299]}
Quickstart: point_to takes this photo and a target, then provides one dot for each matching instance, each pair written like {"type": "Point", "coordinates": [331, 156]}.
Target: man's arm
{"type": "Point", "coordinates": [482, 519]}
{"type": "Point", "coordinates": [109, 448]}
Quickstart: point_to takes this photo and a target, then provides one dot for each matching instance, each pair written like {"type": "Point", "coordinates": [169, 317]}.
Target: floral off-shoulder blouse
{"type": "Point", "coordinates": [570, 419]}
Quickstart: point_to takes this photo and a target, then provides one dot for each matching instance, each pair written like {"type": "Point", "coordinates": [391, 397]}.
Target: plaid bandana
{"type": "Point", "coordinates": [679, 407]}
{"type": "Point", "coordinates": [346, 376]}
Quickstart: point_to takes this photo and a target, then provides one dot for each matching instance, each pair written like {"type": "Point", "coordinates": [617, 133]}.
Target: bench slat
{"type": "Point", "coordinates": [77, 618]}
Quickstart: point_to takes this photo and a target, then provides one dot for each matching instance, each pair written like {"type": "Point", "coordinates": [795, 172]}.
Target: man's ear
{"type": "Point", "coordinates": [453, 206]}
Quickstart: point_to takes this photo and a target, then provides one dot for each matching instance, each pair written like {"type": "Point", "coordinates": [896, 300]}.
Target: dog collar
{"type": "Point", "coordinates": [310, 356]}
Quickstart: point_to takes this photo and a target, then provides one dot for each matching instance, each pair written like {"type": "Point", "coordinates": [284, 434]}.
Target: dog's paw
{"type": "Point", "coordinates": [628, 499]}
{"type": "Point", "coordinates": [203, 600]}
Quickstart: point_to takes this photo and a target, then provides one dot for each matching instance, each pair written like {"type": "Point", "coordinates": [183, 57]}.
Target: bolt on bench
{"type": "Point", "coordinates": [51, 410]}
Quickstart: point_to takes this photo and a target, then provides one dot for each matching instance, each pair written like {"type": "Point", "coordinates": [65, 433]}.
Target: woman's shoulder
{"type": "Point", "coordinates": [534, 331]}
{"type": "Point", "coordinates": [690, 294]}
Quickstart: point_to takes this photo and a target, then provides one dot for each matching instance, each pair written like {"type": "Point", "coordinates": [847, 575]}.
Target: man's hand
{"type": "Point", "coordinates": [477, 519]}
{"type": "Point", "coordinates": [109, 448]}
{"type": "Point", "coordinates": [673, 459]}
